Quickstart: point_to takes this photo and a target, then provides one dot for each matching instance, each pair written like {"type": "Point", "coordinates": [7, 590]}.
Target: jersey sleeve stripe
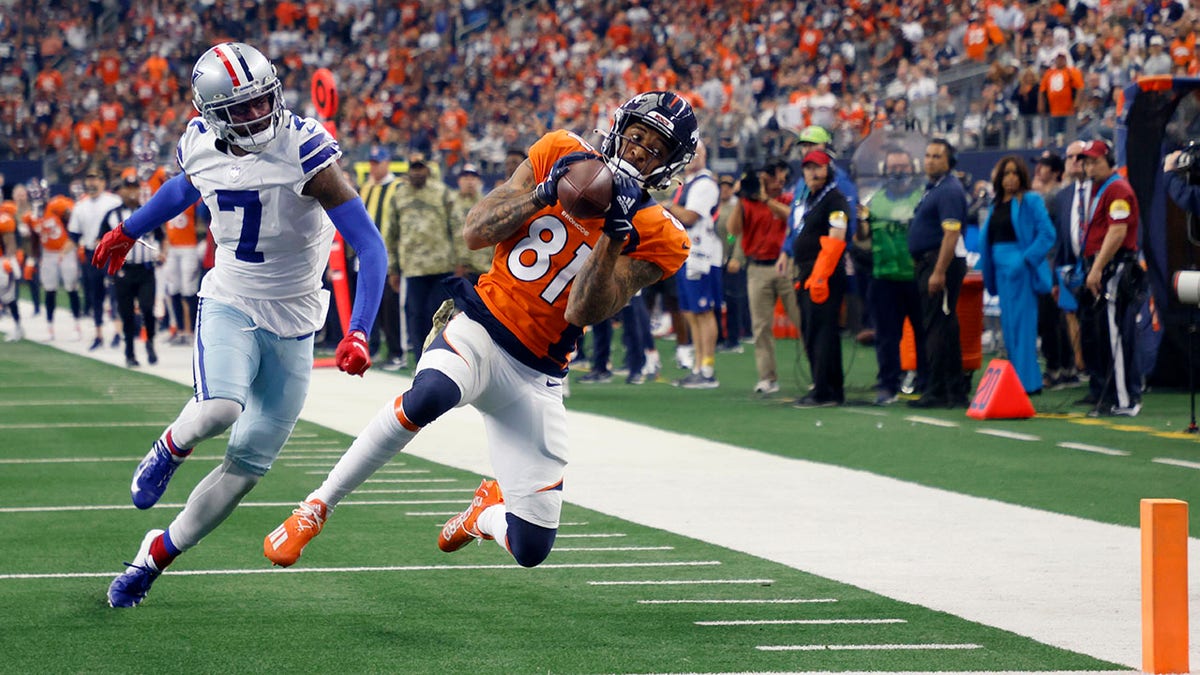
{"type": "Point", "coordinates": [323, 156]}
{"type": "Point", "coordinates": [309, 146]}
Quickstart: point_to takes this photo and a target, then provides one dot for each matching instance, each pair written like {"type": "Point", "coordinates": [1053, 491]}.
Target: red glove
{"type": "Point", "coordinates": [817, 283]}
{"type": "Point", "coordinates": [352, 354]}
{"type": "Point", "coordinates": [112, 249]}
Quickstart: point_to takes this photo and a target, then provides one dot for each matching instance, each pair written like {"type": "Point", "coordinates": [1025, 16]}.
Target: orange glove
{"type": "Point", "coordinates": [30, 269]}
{"type": "Point", "coordinates": [79, 253]}
{"type": "Point", "coordinates": [817, 283]}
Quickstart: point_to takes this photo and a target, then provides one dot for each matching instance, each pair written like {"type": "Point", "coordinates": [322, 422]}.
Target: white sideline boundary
{"type": "Point", "coordinates": [1061, 580]}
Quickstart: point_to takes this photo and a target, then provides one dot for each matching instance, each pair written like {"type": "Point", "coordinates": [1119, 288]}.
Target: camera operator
{"type": "Point", "coordinates": [1113, 286]}
{"type": "Point", "coordinates": [1182, 172]}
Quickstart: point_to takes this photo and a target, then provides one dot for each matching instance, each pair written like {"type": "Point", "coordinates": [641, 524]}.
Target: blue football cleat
{"type": "Point", "coordinates": [132, 585]}
{"type": "Point", "coordinates": [152, 475]}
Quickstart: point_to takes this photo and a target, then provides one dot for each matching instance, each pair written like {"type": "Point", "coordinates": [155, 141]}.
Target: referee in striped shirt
{"type": "Point", "coordinates": [376, 193]}
{"type": "Point", "coordinates": [135, 280]}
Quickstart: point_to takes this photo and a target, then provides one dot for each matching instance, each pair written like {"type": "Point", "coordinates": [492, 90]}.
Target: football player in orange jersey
{"type": "Point", "coordinates": [10, 268]}
{"type": "Point", "coordinates": [58, 264]}
{"type": "Point", "coordinates": [506, 352]}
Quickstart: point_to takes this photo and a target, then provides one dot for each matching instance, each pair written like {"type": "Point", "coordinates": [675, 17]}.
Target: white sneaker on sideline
{"type": "Point", "coordinates": [766, 387]}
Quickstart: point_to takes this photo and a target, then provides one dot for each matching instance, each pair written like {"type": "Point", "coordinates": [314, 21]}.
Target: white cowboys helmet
{"type": "Point", "coordinates": [232, 85]}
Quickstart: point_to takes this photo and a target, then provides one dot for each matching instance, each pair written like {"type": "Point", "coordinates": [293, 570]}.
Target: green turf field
{"type": "Point", "coordinates": [373, 593]}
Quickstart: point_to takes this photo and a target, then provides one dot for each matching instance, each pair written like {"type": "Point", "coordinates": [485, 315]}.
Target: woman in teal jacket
{"type": "Point", "coordinates": [1016, 237]}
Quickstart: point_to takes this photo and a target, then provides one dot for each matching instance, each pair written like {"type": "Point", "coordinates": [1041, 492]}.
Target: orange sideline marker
{"type": "Point", "coordinates": [1164, 586]}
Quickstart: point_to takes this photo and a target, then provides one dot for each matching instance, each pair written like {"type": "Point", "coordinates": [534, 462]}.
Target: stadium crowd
{"type": "Point", "coordinates": [467, 81]}
{"type": "Point", "coordinates": [466, 84]}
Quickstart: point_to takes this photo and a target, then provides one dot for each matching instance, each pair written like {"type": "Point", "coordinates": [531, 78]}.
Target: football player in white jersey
{"type": "Point", "coordinates": [273, 184]}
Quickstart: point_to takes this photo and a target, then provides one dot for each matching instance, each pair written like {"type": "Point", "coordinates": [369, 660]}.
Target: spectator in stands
{"type": "Point", "coordinates": [1062, 94]}
{"type": "Point", "coordinates": [1158, 61]}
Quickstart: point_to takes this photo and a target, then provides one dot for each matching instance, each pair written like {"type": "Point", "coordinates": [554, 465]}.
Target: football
{"type": "Point", "coordinates": [586, 190]}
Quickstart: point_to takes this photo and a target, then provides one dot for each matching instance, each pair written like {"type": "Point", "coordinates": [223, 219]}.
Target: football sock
{"type": "Point", "coordinates": [210, 504]}
{"type": "Point", "coordinates": [708, 367]}
{"type": "Point", "coordinates": [163, 550]}
{"type": "Point", "coordinates": [492, 522]}
{"type": "Point", "coordinates": [375, 446]}
{"type": "Point", "coordinates": [177, 453]}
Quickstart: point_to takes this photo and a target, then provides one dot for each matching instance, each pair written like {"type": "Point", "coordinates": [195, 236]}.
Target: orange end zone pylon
{"type": "Point", "coordinates": [1000, 395]}
{"type": "Point", "coordinates": [1164, 586]}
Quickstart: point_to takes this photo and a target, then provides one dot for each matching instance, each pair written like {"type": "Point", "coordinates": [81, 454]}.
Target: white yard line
{"type": "Point", "coordinates": [714, 601]}
{"type": "Point", "coordinates": [344, 570]}
{"type": "Point", "coordinates": [834, 648]}
{"type": "Point", "coordinates": [684, 582]}
{"type": "Point", "coordinates": [607, 549]}
{"type": "Point", "coordinates": [797, 622]}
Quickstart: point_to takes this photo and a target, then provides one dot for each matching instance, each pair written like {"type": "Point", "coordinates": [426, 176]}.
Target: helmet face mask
{"type": "Point", "coordinates": [668, 115]}
{"type": "Point", "coordinates": [236, 89]}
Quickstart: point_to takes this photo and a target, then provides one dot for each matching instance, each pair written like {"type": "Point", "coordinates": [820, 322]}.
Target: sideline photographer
{"type": "Point", "coordinates": [1182, 173]}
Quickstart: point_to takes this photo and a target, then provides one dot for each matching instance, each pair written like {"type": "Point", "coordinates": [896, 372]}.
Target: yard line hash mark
{"type": "Point", "coordinates": [1176, 462]}
{"type": "Point", "coordinates": [932, 421]}
{"type": "Point", "coordinates": [1016, 436]}
{"type": "Point", "coordinates": [1098, 449]}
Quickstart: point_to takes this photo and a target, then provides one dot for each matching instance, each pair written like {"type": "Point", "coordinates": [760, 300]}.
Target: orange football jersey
{"type": "Point", "coordinates": [8, 221]}
{"type": "Point", "coordinates": [532, 271]}
{"type": "Point", "coordinates": [51, 232]}
{"type": "Point", "coordinates": [181, 230]}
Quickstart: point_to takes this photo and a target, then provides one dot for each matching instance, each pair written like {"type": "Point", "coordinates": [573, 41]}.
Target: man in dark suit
{"type": "Point", "coordinates": [1060, 339]}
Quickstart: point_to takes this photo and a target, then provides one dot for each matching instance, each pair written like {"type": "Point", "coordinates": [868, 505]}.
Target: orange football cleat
{"type": "Point", "coordinates": [286, 542]}
{"type": "Point", "coordinates": [461, 529]}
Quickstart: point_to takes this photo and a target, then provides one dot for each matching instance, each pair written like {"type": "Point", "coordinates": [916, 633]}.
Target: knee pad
{"type": "Point", "coordinates": [528, 543]}
{"type": "Point", "coordinates": [432, 394]}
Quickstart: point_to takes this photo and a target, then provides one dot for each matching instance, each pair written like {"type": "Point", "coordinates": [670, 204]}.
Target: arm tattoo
{"type": "Point", "coordinates": [606, 283]}
{"type": "Point", "coordinates": [497, 216]}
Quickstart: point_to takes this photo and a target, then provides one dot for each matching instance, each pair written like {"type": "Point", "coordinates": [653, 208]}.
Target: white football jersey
{"type": "Point", "coordinates": [272, 241]}
{"type": "Point", "coordinates": [701, 194]}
